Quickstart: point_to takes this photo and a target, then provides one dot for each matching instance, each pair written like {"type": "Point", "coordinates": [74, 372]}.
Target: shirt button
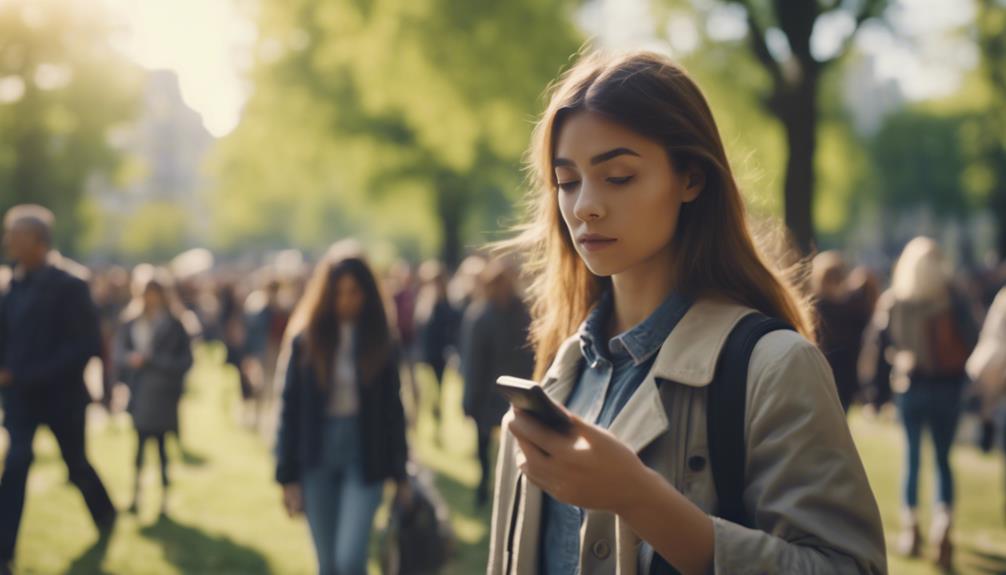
{"type": "Point", "coordinates": [601, 549]}
{"type": "Point", "coordinates": [696, 463]}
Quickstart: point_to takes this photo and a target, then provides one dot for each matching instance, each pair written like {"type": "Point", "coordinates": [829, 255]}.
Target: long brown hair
{"type": "Point", "coordinates": [314, 319]}
{"type": "Point", "coordinates": [713, 248]}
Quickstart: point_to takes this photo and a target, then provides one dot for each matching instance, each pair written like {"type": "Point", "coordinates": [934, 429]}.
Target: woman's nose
{"type": "Point", "coordinates": [588, 205]}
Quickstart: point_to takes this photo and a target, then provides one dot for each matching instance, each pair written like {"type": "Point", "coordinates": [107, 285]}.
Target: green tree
{"type": "Point", "coordinates": [62, 89]}
{"type": "Point", "coordinates": [991, 36]}
{"type": "Point", "coordinates": [360, 105]}
{"type": "Point", "coordinates": [921, 159]}
{"type": "Point", "coordinates": [793, 96]}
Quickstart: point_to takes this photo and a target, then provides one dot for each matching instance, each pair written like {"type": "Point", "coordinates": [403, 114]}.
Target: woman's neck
{"type": "Point", "coordinates": [639, 291]}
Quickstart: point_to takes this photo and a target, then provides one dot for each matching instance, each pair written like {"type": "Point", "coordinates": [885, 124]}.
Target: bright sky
{"type": "Point", "coordinates": [206, 42]}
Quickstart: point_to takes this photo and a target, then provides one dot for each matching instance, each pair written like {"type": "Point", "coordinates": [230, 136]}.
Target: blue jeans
{"type": "Point", "coordinates": [339, 504]}
{"type": "Point", "coordinates": [936, 405]}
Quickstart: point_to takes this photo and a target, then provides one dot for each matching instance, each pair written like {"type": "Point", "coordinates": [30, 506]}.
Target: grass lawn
{"type": "Point", "coordinates": [225, 514]}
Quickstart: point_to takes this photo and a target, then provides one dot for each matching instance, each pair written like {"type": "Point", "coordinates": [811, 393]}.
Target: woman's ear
{"type": "Point", "coordinates": [695, 182]}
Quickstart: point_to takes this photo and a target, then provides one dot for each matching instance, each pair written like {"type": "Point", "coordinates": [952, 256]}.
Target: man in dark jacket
{"type": "Point", "coordinates": [494, 343]}
{"type": "Point", "coordinates": [48, 332]}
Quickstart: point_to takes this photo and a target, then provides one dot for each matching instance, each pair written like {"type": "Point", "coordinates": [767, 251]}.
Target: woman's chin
{"type": "Point", "coordinates": [600, 267]}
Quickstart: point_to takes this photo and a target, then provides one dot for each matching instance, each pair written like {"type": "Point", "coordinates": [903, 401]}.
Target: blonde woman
{"type": "Point", "coordinates": [924, 333]}
{"type": "Point", "coordinates": [642, 267]}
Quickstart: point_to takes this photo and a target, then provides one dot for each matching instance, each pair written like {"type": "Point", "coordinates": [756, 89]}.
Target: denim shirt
{"type": "Point", "coordinates": [609, 376]}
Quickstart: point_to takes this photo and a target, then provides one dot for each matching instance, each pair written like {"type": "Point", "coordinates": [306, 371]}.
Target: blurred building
{"type": "Point", "coordinates": [165, 149]}
{"type": "Point", "coordinates": [868, 97]}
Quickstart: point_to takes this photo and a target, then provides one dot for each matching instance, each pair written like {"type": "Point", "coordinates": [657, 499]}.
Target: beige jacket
{"type": "Point", "coordinates": [806, 492]}
{"type": "Point", "coordinates": [987, 364]}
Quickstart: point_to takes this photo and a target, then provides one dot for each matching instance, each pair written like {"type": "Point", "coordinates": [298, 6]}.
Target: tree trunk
{"type": "Point", "coordinates": [451, 208]}
{"type": "Point", "coordinates": [799, 116]}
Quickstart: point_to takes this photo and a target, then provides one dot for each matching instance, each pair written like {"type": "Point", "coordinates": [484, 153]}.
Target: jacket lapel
{"type": "Point", "coordinates": [558, 384]}
{"type": "Point", "coordinates": [643, 418]}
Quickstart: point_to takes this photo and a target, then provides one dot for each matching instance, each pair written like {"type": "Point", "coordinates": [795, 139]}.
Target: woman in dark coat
{"type": "Point", "coordinates": [155, 354]}
{"type": "Point", "coordinates": [342, 426]}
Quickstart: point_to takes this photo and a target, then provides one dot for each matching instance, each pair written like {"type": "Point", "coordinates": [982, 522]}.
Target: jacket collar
{"type": "Point", "coordinates": [688, 356]}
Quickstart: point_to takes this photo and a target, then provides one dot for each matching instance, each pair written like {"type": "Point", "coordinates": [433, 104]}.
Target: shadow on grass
{"type": "Point", "coordinates": [981, 561]}
{"type": "Point", "coordinates": [193, 551]}
{"type": "Point", "coordinates": [466, 556]}
{"type": "Point", "coordinates": [89, 562]}
{"type": "Point", "coordinates": [192, 458]}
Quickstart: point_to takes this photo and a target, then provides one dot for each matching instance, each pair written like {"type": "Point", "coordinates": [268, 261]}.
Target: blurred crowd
{"type": "Point", "coordinates": [917, 341]}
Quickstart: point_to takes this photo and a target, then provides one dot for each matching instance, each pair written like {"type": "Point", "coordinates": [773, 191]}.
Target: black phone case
{"type": "Point", "coordinates": [536, 403]}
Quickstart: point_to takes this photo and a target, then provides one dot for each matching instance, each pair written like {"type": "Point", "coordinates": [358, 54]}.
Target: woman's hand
{"type": "Point", "coordinates": [293, 499]}
{"type": "Point", "coordinates": [588, 468]}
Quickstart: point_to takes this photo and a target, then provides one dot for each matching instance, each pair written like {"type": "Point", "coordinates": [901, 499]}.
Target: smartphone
{"type": "Point", "coordinates": [529, 396]}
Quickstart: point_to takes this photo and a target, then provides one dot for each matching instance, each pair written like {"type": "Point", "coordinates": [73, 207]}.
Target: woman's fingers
{"type": "Point", "coordinates": [533, 454]}
{"type": "Point", "coordinates": [527, 427]}
{"type": "Point", "coordinates": [541, 469]}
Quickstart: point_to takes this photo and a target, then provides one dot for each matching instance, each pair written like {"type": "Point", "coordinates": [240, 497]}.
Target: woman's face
{"type": "Point", "coordinates": [348, 298]}
{"type": "Point", "coordinates": [153, 300]}
{"type": "Point", "coordinates": [619, 193]}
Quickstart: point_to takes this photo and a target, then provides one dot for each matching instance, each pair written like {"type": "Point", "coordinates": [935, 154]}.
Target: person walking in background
{"type": "Point", "coordinates": [465, 287]}
{"type": "Point", "coordinates": [265, 320]}
{"type": "Point", "coordinates": [233, 331]}
{"type": "Point", "coordinates": [987, 368]}
{"type": "Point", "coordinates": [342, 426]}
{"type": "Point", "coordinates": [155, 354]}
{"type": "Point", "coordinates": [844, 304]}
{"type": "Point", "coordinates": [495, 344]}
{"type": "Point", "coordinates": [436, 323]}
{"type": "Point", "coordinates": [48, 332]}
{"type": "Point", "coordinates": [403, 285]}
{"type": "Point", "coordinates": [110, 291]}
{"type": "Point", "coordinates": [924, 332]}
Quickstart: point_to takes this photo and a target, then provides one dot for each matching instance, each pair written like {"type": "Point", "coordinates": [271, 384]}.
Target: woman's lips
{"type": "Point", "coordinates": [596, 244]}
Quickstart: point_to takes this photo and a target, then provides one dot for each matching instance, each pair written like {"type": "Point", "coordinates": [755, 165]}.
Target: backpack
{"type": "Point", "coordinates": [946, 344]}
{"type": "Point", "coordinates": [418, 538]}
{"type": "Point", "coordinates": [725, 414]}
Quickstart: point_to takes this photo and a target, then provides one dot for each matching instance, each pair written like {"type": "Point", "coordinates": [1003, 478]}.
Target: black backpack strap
{"type": "Point", "coordinates": [726, 404]}
{"type": "Point", "coordinates": [725, 418]}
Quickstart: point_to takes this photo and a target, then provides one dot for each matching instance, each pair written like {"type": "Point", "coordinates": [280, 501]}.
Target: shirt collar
{"type": "Point", "coordinates": [641, 342]}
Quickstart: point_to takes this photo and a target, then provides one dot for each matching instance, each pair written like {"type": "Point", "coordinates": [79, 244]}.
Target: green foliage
{"type": "Point", "coordinates": [423, 104]}
{"type": "Point", "coordinates": [735, 85]}
{"type": "Point", "coordinates": [156, 230]}
{"type": "Point", "coordinates": [62, 89]}
{"type": "Point", "coordinates": [755, 144]}
{"type": "Point", "coordinates": [920, 160]}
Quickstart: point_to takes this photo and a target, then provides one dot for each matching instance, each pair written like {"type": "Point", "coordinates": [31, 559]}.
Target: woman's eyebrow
{"type": "Point", "coordinates": [598, 159]}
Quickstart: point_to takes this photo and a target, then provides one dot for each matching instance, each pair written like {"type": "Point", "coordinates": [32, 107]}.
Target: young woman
{"type": "Point", "coordinates": [342, 428]}
{"type": "Point", "coordinates": [923, 332]}
{"type": "Point", "coordinates": [155, 353]}
{"type": "Point", "coordinates": [643, 265]}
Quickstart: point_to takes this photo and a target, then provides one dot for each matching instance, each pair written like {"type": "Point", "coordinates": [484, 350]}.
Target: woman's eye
{"type": "Point", "coordinates": [569, 186]}
{"type": "Point", "coordinates": [621, 180]}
